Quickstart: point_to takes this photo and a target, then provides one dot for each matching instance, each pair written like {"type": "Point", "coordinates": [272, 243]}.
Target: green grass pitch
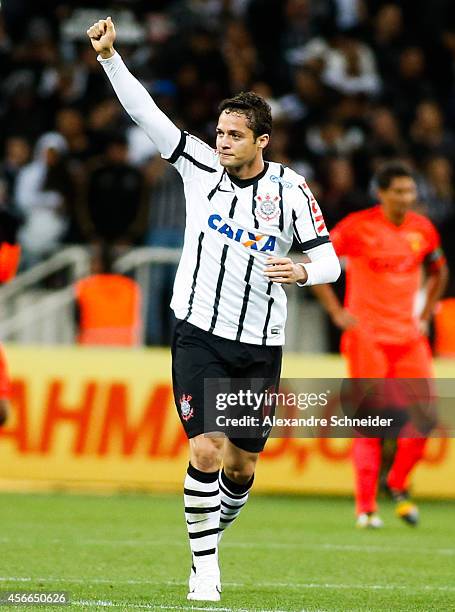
{"type": "Point", "coordinates": [129, 552]}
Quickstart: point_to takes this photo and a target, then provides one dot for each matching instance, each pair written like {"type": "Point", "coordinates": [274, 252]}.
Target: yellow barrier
{"type": "Point", "coordinates": [106, 419]}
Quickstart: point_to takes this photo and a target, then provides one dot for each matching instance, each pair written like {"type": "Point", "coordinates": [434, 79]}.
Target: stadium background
{"type": "Point", "coordinates": [351, 84]}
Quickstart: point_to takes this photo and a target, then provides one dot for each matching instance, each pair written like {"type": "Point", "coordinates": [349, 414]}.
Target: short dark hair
{"type": "Point", "coordinates": [390, 171]}
{"type": "Point", "coordinates": [256, 110]}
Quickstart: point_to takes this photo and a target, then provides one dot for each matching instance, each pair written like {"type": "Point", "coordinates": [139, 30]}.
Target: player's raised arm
{"type": "Point", "coordinates": [132, 95]}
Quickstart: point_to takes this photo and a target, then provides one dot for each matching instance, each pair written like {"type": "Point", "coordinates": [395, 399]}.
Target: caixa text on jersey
{"type": "Point", "coordinates": [256, 242]}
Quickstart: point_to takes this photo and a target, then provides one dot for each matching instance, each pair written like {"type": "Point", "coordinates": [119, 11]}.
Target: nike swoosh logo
{"type": "Point", "coordinates": [225, 190]}
{"type": "Point", "coordinates": [194, 522]}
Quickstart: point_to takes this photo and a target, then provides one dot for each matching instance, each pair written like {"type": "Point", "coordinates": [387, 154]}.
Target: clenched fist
{"type": "Point", "coordinates": [102, 37]}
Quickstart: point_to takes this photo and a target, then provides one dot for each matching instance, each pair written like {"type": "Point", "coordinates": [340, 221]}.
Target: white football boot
{"type": "Point", "coordinates": [369, 521]}
{"type": "Point", "coordinates": [205, 585]}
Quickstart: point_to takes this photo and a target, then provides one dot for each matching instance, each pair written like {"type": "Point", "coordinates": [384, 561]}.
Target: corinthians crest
{"type": "Point", "coordinates": [185, 407]}
{"type": "Point", "coordinates": [267, 207]}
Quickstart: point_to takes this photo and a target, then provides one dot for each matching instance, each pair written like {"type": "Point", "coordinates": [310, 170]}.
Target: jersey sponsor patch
{"type": "Point", "coordinates": [267, 207]}
{"type": "Point", "coordinates": [256, 242]}
{"type": "Point", "coordinates": [281, 180]}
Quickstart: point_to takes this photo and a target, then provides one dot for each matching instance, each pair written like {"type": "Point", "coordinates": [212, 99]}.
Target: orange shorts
{"type": "Point", "coordinates": [4, 378]}
{"type": "Point", "coordinates": [368, 359]}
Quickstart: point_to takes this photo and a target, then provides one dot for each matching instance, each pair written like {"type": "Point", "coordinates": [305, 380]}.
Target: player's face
{"type": "Point", "coordinates": [235, 141]}
{"type": "Point", "coordinates": [399, 196]}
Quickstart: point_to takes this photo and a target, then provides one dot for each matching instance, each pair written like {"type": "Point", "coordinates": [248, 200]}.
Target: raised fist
{"type": "Point", "coordinates": [102, 37]}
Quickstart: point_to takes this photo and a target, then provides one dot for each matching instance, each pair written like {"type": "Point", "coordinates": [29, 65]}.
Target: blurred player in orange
{"type": "Point", "coordinates": [9, 260]}
{"type": "Point", "coordinates": [385, 249]}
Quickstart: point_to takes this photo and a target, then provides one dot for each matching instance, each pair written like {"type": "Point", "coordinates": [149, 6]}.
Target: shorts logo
{"type": "Point", "coordinates": [255, 242]}
{"type": "Point", "coordinates": [185, 407]}
{"type": "Point", "coordinates": [267, 207]}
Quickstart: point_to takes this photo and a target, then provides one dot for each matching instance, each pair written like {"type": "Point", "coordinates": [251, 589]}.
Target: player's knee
{"type": "Point", "coordinates": [206, 460]}
{"type": "Point", "coordinates": [240, 472]}
{"type": "Point", "coordinates": [239, 476]}
{"type": "Point", "coordinates": [206, 453]}
{"type": "Point", "coordinates": [4, 411]}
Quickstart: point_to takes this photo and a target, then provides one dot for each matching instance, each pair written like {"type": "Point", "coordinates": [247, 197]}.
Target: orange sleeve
{"type": "Point", "coordinates": [344, 237]}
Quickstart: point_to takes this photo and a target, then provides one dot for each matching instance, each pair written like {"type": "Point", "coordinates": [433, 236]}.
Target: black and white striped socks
{"type": "Point", "coordinates": [202, 513]}
{"type": "Point", "coordinates": [233, 497]}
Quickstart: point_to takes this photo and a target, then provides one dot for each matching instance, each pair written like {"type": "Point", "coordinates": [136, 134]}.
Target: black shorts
{"type": "Point", "coordinates": [199, 355]}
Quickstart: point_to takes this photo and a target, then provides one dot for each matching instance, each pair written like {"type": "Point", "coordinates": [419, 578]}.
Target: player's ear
{"type": "Point", "coordinates": [263, 141]}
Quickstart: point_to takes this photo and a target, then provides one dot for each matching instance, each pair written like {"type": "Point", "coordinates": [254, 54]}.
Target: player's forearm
{"type": "Point", "coordinates": [139, 105]}
{"type": "Point", "coordinates": [436, 285]}
{"type": "Point", "coordinates": [324, 266]}
{"type": "Point", "coordinates": [328, 298]}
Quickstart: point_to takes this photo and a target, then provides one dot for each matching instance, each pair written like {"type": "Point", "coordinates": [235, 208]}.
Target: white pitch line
{"type": "Point", "coordinates": [277, 545]}
{"type": "Point", "coordinates": [242, 585]}
{"type": "Point", "coordinates": [382, 549]}
{"type": "Point", "coordinates": [111, 604]}
{"type": "Point", "coordinates": [129, 605]}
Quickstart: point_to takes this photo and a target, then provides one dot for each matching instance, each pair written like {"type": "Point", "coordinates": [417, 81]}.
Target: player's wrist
{"type": "Point", "coordinates": [301, 273]}
{"type": "Point", "coordinates": [107, 53]}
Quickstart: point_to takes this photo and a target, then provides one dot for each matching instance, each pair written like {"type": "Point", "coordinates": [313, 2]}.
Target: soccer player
{"type": "Point", "coordinates": [242, 213]}
{"type": "Point", "coordinates": [385, 248]}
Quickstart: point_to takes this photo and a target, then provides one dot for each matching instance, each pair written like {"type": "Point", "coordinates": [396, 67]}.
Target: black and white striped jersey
{"type": "Point", "coordinates": [232, 226]}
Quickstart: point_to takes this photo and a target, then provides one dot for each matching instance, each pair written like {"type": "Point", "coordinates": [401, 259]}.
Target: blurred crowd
{"type": "Point", "coordinates": [351, 83]}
